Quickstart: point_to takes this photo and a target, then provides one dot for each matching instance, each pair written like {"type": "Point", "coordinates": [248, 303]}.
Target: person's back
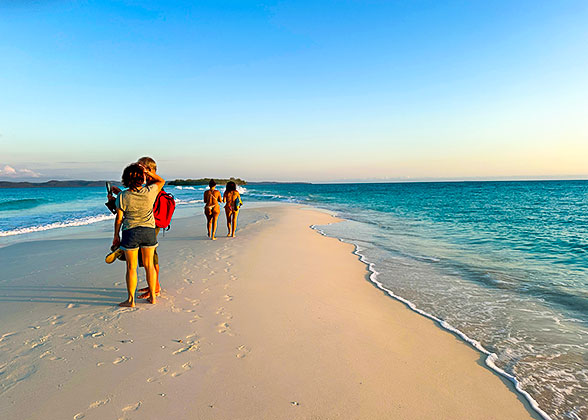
{"type": "Point", "coordinates": [230, 198]}
{"type": "Point", "coordinates": [211, 198]}
{"type": "Point", "coordinates": [137, 206]}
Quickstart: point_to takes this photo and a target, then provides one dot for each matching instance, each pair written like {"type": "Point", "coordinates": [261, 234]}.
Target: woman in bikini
{"type": "Point", "coordinates": [233, 202]}
{"type": "Point", "coordinates": [212, 198]}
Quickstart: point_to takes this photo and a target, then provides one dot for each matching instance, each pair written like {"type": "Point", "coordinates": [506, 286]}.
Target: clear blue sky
{"type": "Point", "coordinates": [300, 90]}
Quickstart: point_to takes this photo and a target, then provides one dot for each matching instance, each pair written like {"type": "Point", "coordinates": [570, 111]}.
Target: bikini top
{"type": "Point", "coordinates": [215, 202]}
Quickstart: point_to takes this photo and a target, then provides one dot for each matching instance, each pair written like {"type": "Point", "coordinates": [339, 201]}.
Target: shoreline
{"type": "Point", "coordinates": [487, 356]}
{"type": "Point", "coordinates": [302, 328]}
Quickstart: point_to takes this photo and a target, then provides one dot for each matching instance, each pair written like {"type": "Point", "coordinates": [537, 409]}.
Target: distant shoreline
{"type": "Point", "coordinates": [83, 183]}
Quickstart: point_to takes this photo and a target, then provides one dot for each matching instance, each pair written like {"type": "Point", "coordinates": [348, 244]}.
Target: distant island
{"type": "Point", "coordinates": [205, 181]}
{"type": "Point", "coordinates": [82, 183]}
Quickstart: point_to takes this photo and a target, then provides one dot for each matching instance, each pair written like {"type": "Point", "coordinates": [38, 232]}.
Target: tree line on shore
{"type": "Point", "coordinates": [81, 183]}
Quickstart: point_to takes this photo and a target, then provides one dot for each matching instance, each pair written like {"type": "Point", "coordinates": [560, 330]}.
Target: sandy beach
{"type": "Point", "coordinates": [278, 323]}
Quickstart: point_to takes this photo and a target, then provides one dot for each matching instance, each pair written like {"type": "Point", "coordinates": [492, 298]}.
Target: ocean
{"type": "Point", "coordinates": [503, 265]}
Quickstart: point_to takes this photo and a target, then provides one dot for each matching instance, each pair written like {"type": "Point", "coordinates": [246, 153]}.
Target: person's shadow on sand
{"type": "Point", "coordinates": [95, 296]}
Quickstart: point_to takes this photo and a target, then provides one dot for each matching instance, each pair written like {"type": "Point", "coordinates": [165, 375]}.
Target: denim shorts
{"type": "Point", "coordinates": [138, 237]}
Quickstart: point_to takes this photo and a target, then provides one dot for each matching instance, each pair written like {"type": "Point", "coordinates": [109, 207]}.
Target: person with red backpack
{"type": "Point", "coordinates": [163, 210]}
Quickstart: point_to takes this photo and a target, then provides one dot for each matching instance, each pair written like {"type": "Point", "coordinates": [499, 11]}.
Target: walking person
{"type": "Point", "coordinates": [134, 212]}
{"type": "Point", "coordinates": [212, 198]}
{"type": "Point", "coordinates": [233, 202]}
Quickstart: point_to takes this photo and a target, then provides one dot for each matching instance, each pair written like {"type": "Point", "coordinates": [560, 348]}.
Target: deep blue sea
{"type": "Point", "coordinates": [503, 264]}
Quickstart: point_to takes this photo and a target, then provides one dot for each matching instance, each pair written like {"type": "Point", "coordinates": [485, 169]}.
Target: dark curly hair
{"type": "Point", "coordinates": [133, 176]}
{"type": "Point", "coordinates": [231, 186]}
{"type": "Point", "coordinates": [211, 183]}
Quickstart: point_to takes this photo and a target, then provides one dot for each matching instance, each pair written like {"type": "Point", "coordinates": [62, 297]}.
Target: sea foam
{"type": "Point", "coordinates": [56, 225]}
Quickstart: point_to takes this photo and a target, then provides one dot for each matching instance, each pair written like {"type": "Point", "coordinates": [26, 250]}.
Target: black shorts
{"type": "Point", "coordinates": [138, 237]}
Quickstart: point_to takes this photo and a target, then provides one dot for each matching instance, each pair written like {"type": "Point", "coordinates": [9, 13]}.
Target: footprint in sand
{"type": "Point", "coordinates": [221, 311]}
{"type": "Point", "coordinates": [195, 318]}
{"type": "Point", "coordinates": [38, 342]}
{"type": "Point", "coordinates": [99, 403]}
{"type": "Point", "coordinates": [191, 347]}
{"type": "Point", "coordinates": [185, 367]}
{"type": "Point", "coordinates": [71, 305]}
{"type": "Point", "coordinates": [223, 327]}
{"type": "Point", "coordinates": [206, 290]}
{"type": "Point", "coordinates": [120, 360]}
{"type": "Point", "coordinates": [242, 352]}
{"type": "Point", "coordinates": [79, 416]}
{"type": "Point", "coordinates": [164, 370]}
{"type": "Point", "coordinates": [105, 348]}
{"type": "Point", "coordinates": [194, 302]}
{"type": "Point", "coordinates": [6, 335]}
{"type": "Point", "coordinates": [228, 298]}
{"type": "Point", "coordinates": [132, 407]}
{"type": "Point", "coordinates": [50, 356]}
{"type": "Point", "coordinates": [189, 281]}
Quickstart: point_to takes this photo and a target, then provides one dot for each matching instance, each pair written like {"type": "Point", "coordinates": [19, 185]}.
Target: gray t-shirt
{"type": "Point", "coordinates": [137, 207]}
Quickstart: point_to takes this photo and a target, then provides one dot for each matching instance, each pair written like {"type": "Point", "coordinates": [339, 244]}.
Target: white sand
{"type": "Point", "coordinates": [278, 323]}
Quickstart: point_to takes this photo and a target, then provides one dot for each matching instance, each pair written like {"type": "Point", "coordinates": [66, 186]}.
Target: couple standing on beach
{"type": "Point", "coordinates": [134, 213]}
{"type": "Point", "coordinates": [212, 200]}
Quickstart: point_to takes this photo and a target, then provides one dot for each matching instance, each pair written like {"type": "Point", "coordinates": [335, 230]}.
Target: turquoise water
{"type": "Point", "coordinates": [503, 263]}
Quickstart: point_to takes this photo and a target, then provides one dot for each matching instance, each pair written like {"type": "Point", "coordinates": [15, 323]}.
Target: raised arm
{"type": "Point", "coordinates": [154, 179]}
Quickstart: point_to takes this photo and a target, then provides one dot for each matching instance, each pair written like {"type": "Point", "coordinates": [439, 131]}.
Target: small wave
{"type": "Point", "coordinates": [241, 190]}
{"type": "Point", "coordinates": [185, 202]}
{"type": "Point", "coordinates": [68, 223]}
{"type": "Point", "coordinates": [427, 259]}
{"type": "Point", "coordinates": [25, 203]}
{"type": "Point", "coordinates": [490, 357]}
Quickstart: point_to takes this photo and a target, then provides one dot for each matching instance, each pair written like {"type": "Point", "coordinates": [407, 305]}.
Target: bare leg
{"type": "Point", "coordinates": [208, 215]}
{"type": "Point", "coordinates": [131, 258]}
{"type": "Point", "coordinates": [234, 222]}
{"type": "Point", "coordinates": [147, 255]}
{"type": "Point", "coordinates": [214, 218]}
{"type": "Point", "coordinates": [145, 291]}
{"type": "Point", "coordinates": [228, 214]}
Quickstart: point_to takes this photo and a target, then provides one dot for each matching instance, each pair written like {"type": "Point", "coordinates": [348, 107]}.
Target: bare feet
{"type": "Point", "coordinates": [127, 304]}
{"type": "Point", "coordinates": [152, 300]}
{"type": "Point", "coordinates": [214, 239]}
{"type": "Point", "coordinates": [146, 294]}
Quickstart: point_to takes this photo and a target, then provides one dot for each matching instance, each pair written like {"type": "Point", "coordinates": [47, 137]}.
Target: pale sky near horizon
{"type": "Point", "coordinates": [294, 90]}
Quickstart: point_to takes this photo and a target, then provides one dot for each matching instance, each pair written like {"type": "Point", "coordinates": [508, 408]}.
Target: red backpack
{"type": "Point", "coordinates": [163, 209]}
